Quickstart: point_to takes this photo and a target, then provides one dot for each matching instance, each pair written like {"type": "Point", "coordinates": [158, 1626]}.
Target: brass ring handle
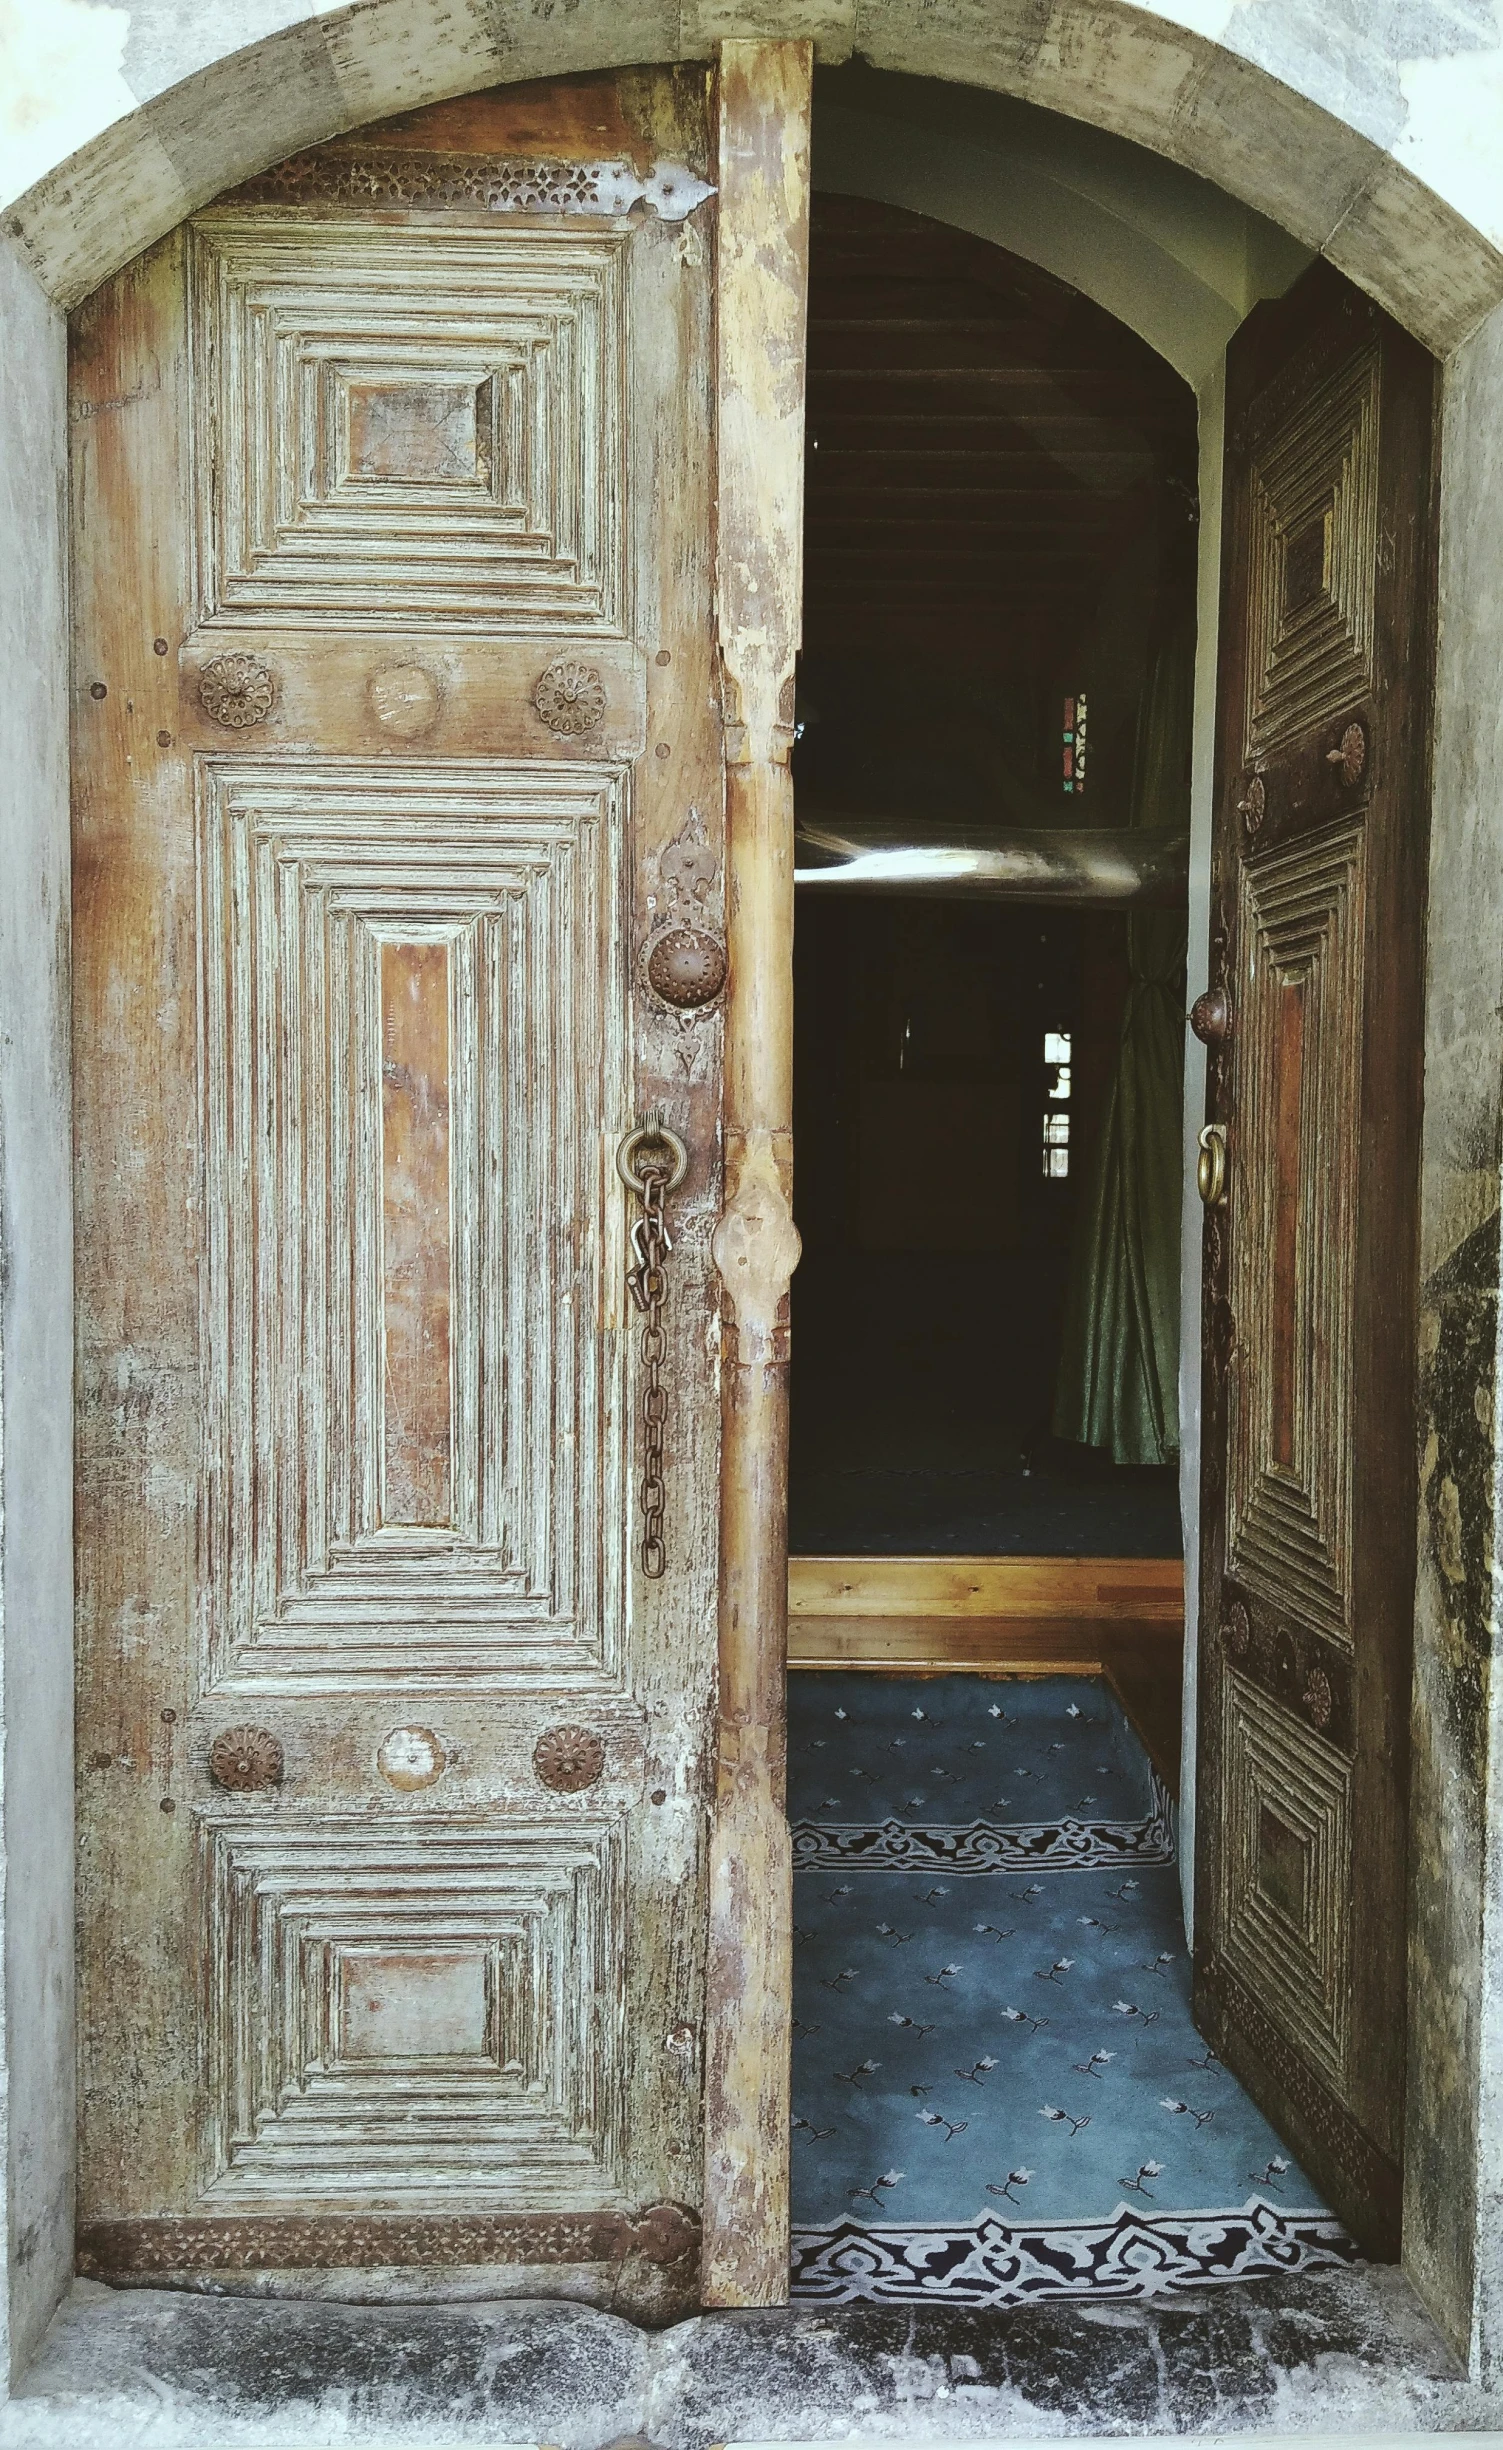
{"type": "Point", "coordinates": [645, 1134]}
{"type": "Point", "coordinates": [1210, 1167]}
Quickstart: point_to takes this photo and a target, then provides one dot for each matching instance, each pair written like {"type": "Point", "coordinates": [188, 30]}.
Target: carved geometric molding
{"type": "Point", "coordinates": [488, 183]}
{"type": "Point", "coordinates": [1285, 1866]}
{"type": "Point", "coordinates": [1296, 1092]}
{"type": "Point", "coordinates": [417, 428]}
{"type": "Point", "coordinates": [414, 1042]}
{"type": "Point", "coordinates": [1313, 488]}
{"type": "Point", "coordinates": [426, 2014]}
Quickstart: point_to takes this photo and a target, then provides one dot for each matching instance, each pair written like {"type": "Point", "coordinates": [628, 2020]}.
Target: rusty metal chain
{"type": "Point", "coordinates": [652, 1162]}
{"type": "Point", "coordinates": [651, 1242]}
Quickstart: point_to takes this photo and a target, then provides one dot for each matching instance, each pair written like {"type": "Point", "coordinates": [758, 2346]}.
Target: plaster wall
{"type": "Point", "coordinates": [36, 1321]}
{"type": "Point", "coordinates": [1369, 133]}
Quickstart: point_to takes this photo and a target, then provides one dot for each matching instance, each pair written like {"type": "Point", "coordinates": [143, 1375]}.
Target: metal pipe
{"type": "Point", "coordinates": [1045, 864]}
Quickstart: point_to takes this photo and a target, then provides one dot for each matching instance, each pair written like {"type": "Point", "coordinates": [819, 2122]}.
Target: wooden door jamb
{"type": "Point", "coordinates": [762, 307]}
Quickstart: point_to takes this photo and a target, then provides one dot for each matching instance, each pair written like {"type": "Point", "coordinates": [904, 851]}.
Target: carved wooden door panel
{"type": "Point", "coordinates": [1314, 1026]}
{"type": "Point", "coordinates": [397, 761]}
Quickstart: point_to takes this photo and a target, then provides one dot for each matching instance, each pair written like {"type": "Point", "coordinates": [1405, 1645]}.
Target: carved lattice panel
{"type": "Point", "coordinates": [414, 1045]}
{"type": "Point", "coordinates": [409, 427]}
{"type": "Point", "coordinates": [425, 2015]}
{"type": "Point", "coordinates": [1285, 1855]}
{"type": "Point", "coordinates": [1313, 545]}
{"type": "Point", "coordinates": [1294, 1185]}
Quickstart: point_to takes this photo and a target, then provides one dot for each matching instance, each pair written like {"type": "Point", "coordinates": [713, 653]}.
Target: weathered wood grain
{"type": "Point", "coordinates": [764, 96]}
{"type": "Point", "coordinates": [359, 1021]}
{"type": "Point", "coordinates": [1309, 1483]}
{"type": "Point", "coordinates": [958, 1588]}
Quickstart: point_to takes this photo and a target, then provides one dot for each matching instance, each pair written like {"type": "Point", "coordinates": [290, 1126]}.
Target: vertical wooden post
{"type": "Point", "coordinates": [762, 293]}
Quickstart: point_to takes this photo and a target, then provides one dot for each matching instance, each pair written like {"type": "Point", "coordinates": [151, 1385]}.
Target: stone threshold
{"type": "Point", "coordinates": [1337, 2353]}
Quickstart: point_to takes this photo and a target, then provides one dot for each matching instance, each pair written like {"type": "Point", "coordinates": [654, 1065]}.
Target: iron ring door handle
{"type": "Point", "coordinates": [652, 1133]}
{"type": "Point", "coordinates": [1210, 1168]}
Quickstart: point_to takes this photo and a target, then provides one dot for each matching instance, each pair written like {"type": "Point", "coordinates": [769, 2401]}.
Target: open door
{"type": "Point", "coordinates": [1310, 1174]}
{"type": "Point", "coordinates": [400, 902]}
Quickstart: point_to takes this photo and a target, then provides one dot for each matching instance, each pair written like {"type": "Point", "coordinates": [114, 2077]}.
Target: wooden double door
{"type": "Point", "coordinates": [437, 524]}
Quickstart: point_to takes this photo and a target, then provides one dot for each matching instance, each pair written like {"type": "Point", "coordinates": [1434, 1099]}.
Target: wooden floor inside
{"type": "Point", "coordinates": [1120, 1618]}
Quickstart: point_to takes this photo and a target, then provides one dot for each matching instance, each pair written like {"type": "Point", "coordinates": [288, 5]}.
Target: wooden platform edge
{"type": "Point", "coordinates": [1033, 1590]}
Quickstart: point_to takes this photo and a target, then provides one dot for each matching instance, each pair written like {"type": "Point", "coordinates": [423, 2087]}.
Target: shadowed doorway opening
{"type": "Point", "coordinates": [993, 807]}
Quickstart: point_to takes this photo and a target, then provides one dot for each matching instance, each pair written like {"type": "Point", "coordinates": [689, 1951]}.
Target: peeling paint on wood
{"type": "Point", "coordinates": [762, 310]}
{"type": "Point", "coordinates": [358, 1026]}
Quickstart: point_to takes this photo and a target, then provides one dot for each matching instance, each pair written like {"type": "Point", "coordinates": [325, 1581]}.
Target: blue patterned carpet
{"type": "Point", "coordinates": [998, 2090]}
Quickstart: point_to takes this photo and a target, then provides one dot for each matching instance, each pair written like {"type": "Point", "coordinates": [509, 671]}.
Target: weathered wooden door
{"type": "Point", "coordinates": [399, 900]}
{"type": "Point", "coordinates": [1313, 1020]}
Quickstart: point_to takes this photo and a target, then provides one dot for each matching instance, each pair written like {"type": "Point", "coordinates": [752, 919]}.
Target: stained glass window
{"type": "Point", "coordinates": [1076, 719]}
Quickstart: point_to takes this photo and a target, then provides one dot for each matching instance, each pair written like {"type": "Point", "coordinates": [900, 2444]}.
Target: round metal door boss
{"type": "Point", "coordinates": [570, 697]}
{"type": "Point", "coordinates": [245, 1758]}
{"type": "Point", "coordinates": [685, 967]}
{"type": "Point", "coordinates": [1211, 1016]}
{"type": "Point", "coordinates": [236, 691]}
{"type": "Point", "coordinates": [568, 1759]}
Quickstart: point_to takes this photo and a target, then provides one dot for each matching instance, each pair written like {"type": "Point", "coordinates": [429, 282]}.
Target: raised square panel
{"type": "Point", "coordinates": [1285, 1861]}
{"type": "Point", "coordinates": [418, 428]}
{"type": "Point", "coordinates": [414, 1056]}
{"type": "Point", "coordinates": [1297, 1089]}
{"type": "Point", "coordinates": [1313, 561]}
{"type": "Point", "coordinates": [429, 2013]}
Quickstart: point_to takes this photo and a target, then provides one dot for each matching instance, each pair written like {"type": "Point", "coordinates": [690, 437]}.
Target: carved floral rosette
{"type": "Point", "coordinates": [236, 691]}
{"type": "Point", "coordinates": [570, 697]}
{"type": "Point", "coordinates": [568, 1759]}
{"type": "Point", "coordinates": [245, 1759]}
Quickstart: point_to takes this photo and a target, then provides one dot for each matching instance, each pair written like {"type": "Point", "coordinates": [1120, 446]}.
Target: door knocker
{"type": "Point", "coordinates": [652, 1161]}
{"type": "Point", "coordinates": [1210, 1166]}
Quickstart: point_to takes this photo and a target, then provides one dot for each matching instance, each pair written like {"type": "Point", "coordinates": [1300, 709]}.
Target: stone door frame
{"type": "Point", "coordinates": [1202, 104]}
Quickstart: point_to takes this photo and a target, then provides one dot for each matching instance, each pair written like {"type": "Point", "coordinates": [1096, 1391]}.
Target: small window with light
{"type": "Point", "coordinates": [1056, 1150]}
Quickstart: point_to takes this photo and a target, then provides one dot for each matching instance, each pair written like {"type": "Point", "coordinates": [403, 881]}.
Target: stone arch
{"type": "Point", "coordinates": [1322, 141]}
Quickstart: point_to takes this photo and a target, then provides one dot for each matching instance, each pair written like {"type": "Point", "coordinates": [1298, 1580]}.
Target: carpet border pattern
{"type": "Point", "coordinates": [1130, 2255]}
{"type": "Point", "coordinates": [1062, 1845]}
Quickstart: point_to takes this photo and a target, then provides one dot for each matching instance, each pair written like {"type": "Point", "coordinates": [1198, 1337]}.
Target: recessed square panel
{"type": "Point", "coordinates": [1285, 1858]}
{"type": "Point", "coordinates": [1284, 1864]}
{"type": "Point", "coordinates": [1313, 558]}
{"type": "Point", "coordinates": [424, 432]}
{"type": "Point", "coordinates": [421, 2004]}
{"type": "Point", "coordinates": [414, 1047]}
{"type": "Point", "coordinates": [1297, 1061]}
{"type": "Point", "coordinates": [411, 428]}
{"type": "Point", "coordinates": [429, 2011]}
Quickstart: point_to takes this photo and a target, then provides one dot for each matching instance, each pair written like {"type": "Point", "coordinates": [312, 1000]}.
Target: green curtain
{"type": "Point", "coordinates": [1118, 1384]}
